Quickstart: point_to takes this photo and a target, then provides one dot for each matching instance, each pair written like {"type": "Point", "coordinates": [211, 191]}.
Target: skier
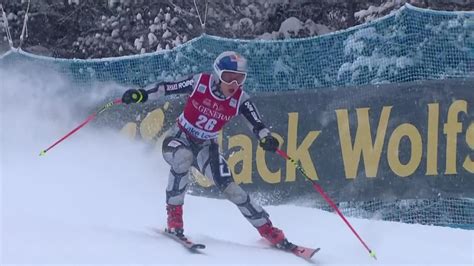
{"type": "Point", "coordinates": [214, 100]}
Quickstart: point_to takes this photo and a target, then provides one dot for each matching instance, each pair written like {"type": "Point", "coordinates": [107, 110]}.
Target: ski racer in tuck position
{"type": "Point", "coordinates": [214, 99]}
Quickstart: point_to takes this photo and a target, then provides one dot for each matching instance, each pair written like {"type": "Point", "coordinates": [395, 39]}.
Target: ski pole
{"type": "Point", "coordinates": [320, 190]}
{"type": "Point", "coordinates": [88, 119]}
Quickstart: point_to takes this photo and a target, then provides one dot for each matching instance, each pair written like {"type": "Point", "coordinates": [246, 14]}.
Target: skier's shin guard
{"type": "Point", "coordinates": [177, 184]}
{"type": "Point", "coordinates": [253, 212]}
{"type": "Point", "coordinates": [180, 157]}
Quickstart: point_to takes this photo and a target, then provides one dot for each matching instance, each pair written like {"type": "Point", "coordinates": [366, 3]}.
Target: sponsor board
{"type": "Point", "coordinates": [395, 141]}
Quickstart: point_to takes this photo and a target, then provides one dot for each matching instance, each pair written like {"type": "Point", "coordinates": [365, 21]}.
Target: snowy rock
{"type": "Point", "coordinates": [153, 28]}
{"type": "Point", "coordinates": [246, 24]}
{"type": "Point", "coordinates": [316, 29]}
{"type": "Point", "coordinates": [115, 33]}
{"type": "Point", "coordinates": [138, 43]}
{"type": "Point", "coordinates": [176, 42]}
{"type": "Point", "coordinates": [373, 12]}
{"type": "Point", "coordinates": [11, 16]}
{"type": "Point", "coordinates": [166, 35]}
{"type": "Point", "coordinates": [152, 39]}
{"type": "Point", "coordinates": [290, 27]}
{"type": "Point", "coordinates": [173, 21]}
{"type": "Point", "coordinates": [266, 36]}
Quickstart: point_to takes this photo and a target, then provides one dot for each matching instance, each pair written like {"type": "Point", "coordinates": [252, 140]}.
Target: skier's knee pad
{"type": "Point", "coordinates": [177, 155]}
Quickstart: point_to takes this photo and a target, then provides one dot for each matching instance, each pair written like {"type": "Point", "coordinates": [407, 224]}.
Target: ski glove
{"type": "Point", "coordinates": [135, 96]}
{"type": "Point", "coordinates": [269, 143]}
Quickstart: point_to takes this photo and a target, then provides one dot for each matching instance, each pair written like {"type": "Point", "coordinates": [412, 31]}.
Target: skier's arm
{"type": "Point", "coordinates": [157, 90]}
{"type": "Point", "coordinates": [254, 121]}
{"type": "Point", "coordinates": [184, 86]}
{"type": "Point", "coordinates": [250, 112]}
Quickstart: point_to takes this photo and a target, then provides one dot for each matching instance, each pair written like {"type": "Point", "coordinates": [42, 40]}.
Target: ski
{"type": "Point", "coordinates": [300, 251]}
{"type": "Point", "coordinates": [304, 252]}
{"type": "Point", "coordinates": [187, 243]}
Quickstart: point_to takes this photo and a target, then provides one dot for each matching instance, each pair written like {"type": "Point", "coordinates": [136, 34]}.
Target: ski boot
{"type": "Point", "coordinates": [275, 236]}
{"type": "Point", "coordinates": [175, 220]}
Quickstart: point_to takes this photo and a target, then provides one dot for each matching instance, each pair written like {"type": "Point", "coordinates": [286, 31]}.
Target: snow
{"type": "Point", "coordinates": [279, 66]}
{"type": "Point", "coordinates": [353, 46]}
{"type": "Point", "coordinates": [115, 33]}
{"type": "Point", "coordinates": [94, 197]}
{"type": "Point", "coordinates": [374, 12]}
{"type": "Point", "coordinates": [176, 42]}
{"type": "Point", "coordinates": [316, 28]}
{"type": "Point", "coordinates": [290, 26]}
{"type": "Point", "coordinates": [138, 43]}
{"type": "Point", "coordinates": [152, 39]}
{"type": "Point", "coordinates": [11, 16]}
{"type": "Point", "coordinates": [355, 43]}
{"type": "Point", "coordinates": [376, 61]}
{"type": "Point", "coordinates": [174, 20]}
{"type": "Point", "coordinates": [154, 27]}
{"type": "Point", "coordinates": [166, 34]}
{"type": "Point", "coordinates": [245, 24]}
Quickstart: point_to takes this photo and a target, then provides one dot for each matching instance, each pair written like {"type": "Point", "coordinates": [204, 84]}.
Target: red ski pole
{"type": "Point", "coordinates": [320, 190]}
{"type": "Point", "coordinates": [88, 119]}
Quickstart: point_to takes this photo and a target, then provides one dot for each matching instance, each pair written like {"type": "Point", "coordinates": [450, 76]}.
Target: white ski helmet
{"type": "Point", "coordinates": [230, 61]}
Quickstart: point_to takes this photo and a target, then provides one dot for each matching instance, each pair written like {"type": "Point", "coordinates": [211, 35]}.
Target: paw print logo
{"type": "Point", "coordinates": [149, 128]}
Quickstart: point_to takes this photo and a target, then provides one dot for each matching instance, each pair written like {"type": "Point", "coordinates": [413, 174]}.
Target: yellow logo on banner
{"type": "Point", "coordinates": [371, 150]}
{"type": "Point", "coordinates": [149, 127]}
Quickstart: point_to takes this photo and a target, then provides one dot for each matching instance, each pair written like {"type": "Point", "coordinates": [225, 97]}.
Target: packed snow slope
{"type": "Point", "coordinates": [93, 199]}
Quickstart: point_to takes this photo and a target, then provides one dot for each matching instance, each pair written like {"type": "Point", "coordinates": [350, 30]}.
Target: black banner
{"type": "Point", "coordinates": [394, 141]}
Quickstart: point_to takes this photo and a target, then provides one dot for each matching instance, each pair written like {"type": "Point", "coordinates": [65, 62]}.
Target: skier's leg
{"type": "Point", "coordinates": [177, 153]}
{"type": "Point", "coordinates": [213, 165]}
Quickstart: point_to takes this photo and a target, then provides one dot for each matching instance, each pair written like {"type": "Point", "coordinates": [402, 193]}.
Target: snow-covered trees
{"type": "Point", "coordinates": [94, 29]}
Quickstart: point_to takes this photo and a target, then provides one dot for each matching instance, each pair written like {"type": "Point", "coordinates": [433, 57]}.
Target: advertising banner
{"type": "Point", "coordinates": [395, 141]}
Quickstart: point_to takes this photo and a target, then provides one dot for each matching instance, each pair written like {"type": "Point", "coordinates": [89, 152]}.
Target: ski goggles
{"type": "Point", "coordinates": [230, 77]}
